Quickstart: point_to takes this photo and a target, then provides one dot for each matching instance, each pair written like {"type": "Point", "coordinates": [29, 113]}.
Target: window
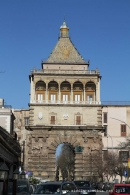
{"type": "Point", "coordinates": [105, 117]}
{"type": "Point", "coordinates": [124, 155]}
{"type": "Point", "coordinates": [78, 120]}
{"type": "Point", "coordinates": [53, 97]}
{"type": "Point", "coordinates": [89, 98]}
{"type": "Point", "coordinates": [77, 98]}
{"type": "Point", "coordinates": [105, 133]}
{"type": "Point", "coordinates": [40, 97]}
{"type": "Point", "coordinates": [65, 98]}
{"type": "Point", "coordinates": [26, 121]}
{"type": "Point", "coordinates": [105, 154]}
{"type": "Point", "coordinates": [69, 186]}
{"type": "Point", "coordinates": [123, 130]}
{"type": "Point", "coordinates": [53, 120]}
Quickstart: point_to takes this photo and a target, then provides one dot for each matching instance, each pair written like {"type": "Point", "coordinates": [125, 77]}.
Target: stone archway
{"type": "Point", "coordinates": [42, 144]}
{"type": "Point", "coordinates": [65, 162]}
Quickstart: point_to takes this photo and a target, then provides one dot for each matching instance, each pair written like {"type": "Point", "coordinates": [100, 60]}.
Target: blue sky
{"type": "Point", "coordinates": [29, 30]}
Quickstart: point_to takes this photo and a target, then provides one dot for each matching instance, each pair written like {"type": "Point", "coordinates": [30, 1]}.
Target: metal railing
{"type": "Point", "coordinates": [64, 102]}
{"type": "Point", "coordinates": [53, 71]}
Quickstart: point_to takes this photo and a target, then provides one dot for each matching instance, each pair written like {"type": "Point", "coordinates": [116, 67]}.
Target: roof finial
{"type": "Point", "coordinates": [64, 30]}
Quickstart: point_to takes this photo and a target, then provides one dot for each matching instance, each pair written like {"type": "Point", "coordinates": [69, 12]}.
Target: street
{"type": "Point", "coordinates": [102, 193]}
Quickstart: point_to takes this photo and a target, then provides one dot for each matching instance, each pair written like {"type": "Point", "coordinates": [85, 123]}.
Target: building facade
{"type": "Point", "coordinates": [116, 120]}
{"type": "Point", "coordinates": [64, 107]}
{"type": "Point", "coordinates": [10, 151]}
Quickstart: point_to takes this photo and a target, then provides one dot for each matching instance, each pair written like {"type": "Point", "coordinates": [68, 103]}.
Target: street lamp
{"type": "Point", "coordinates": [4, 171]}
{"type": "Point", "coordinates": [16, 173]}
{"type": "Point", "coordinates": [22, 175]}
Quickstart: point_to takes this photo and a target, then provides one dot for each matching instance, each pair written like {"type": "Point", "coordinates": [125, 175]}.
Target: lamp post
{"type": "Point", "coordinates": [22, 175]}
{"type": "Point", "coordinates": [16, 173]}
{"type": "Point", "coordinates": [4, 173]}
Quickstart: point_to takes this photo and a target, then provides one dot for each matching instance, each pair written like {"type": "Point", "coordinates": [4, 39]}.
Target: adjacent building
{"type": "Point", "coordinates": [10, 151]}
{"type": "Point", "coordinates": [116, 120]}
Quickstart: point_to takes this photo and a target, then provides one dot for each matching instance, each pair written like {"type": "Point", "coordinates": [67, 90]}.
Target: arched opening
{"type": "Point", "coordinates": [65, 162]}
{"type": "Point", "coordinates": [40, 89]}
{"type": "Point", "coordinates": [53, 91]}
{"type": "Point", "coordinates": [77, 91]}
{"type": "Point", "coordinates": [90, 91]}
{"type": "Point", "coordinates": [65, 89]}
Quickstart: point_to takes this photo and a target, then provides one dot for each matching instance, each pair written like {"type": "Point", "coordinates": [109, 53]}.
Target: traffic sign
{"type": "Point", "coordinates": [125, 173]}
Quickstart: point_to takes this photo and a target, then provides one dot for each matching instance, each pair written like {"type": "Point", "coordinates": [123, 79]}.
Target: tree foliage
{"type": "Point", "coordinates": [65, 162]}
{"type": "Point", "coordinates": [109, 166]}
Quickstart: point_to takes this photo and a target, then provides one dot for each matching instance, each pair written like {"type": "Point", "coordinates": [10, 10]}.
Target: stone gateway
{"type": "Point", "coordinates": [65, 108]}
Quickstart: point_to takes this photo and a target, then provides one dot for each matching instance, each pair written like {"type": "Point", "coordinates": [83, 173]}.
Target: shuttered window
{"type": "Point", "coordinates": [89, 98]}
{"type": "Point", "coordinates": [105, 117]}
{"type": "Point", "coordinates": [123, 130]}
{"type": "Point", "coordinates": [65, 98]}
{"type": "Point", "coordinates": [40, 97]}
{"type": "Point", "coordinates": [77, 98]}
{"type": "Point", "coordinates": [53, 120]}
{"type": "Point", "coordinates": [78, 120]}
{"type": "Point", "coordinates": [53, 97]}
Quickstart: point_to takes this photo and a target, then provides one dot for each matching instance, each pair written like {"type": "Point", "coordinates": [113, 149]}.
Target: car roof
{"type": "Point", "coordinates": [121, 184]}
{"type": "Point", "coordinates": [82, 180]}
{"type": "Point", "coordinates": [55, 182]}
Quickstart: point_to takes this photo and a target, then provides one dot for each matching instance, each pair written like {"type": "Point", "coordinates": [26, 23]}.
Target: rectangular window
{"type": "Point", "coordinates": [78, 120]}
{"type": "Point", "coordinates": [105, 154]}
{"type": "Point", "coordinates": [105, 133]}
{"type": "Point", "coordinates": [65, 98]}
{"type": "Point", "coordinates": [89, 98]}
{"type": "Point", "coordinates": [53, 97]}
{"type": "Point", "coordinates": [124, 155]}
{"type": "Point", "coordinates": [53, 120]}
{"type": "Point", "coordinates": [77, 98]}
{"type": "Point", "coordinates": [40, 97]}
{"type": "Point", "coordinates": [26, 121]}
{"type": "Point", "coordinates": [123, 130]}
{"type": "Point", "coordinates": [105, 117]}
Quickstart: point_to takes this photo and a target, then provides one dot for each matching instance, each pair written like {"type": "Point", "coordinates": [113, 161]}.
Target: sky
{"type": "Point", "coordinates": [29, 30]}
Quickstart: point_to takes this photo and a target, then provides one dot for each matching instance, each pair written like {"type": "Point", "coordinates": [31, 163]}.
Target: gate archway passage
{"type": "Point", "coordinates": [42, 144]}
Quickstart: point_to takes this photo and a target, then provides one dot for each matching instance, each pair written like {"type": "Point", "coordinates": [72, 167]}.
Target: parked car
{"type": "Point", "coordinates": [120, 189]}
{"type": "Point", "coordinates": [22, 187]}
{"type": "Point", "coordinates": [84, 187]}
{"type": "Point", "coordinates": [59, 188]}
{"type": "Point", "coordinates": [80, 183]}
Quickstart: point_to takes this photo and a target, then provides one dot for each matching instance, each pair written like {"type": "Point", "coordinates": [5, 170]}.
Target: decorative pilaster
{"type": "Point", "coordinates": [46, 92]}
{"type": "Point", "coordinates": [59, 93]}
{"type": "Point", "coordinates": [72, 92]}
{"type": "Point", "coordinates": [84, 94]}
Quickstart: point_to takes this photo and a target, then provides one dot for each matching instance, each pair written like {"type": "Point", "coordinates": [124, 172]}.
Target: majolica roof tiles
{"type": "Point", "coordinates": [65, 52]}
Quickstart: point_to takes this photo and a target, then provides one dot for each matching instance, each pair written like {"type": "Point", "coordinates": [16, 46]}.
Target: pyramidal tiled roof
{"type": "Point", "coordinates": [65, 51]}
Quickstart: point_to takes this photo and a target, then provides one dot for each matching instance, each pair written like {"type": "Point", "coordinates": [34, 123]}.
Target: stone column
{"type": "Point", "coordinates": [71, 92]}
{"type": "Point", "coordinates": [98, 91]}
{"type": "Point", "coordinates": [46, 92]}
{"type": "Point", "coordinates": [32, 90]}
{"type": "Point", "coordinates": [84, 93]}
{"type": "Point", "coordinates": [59, 93]}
